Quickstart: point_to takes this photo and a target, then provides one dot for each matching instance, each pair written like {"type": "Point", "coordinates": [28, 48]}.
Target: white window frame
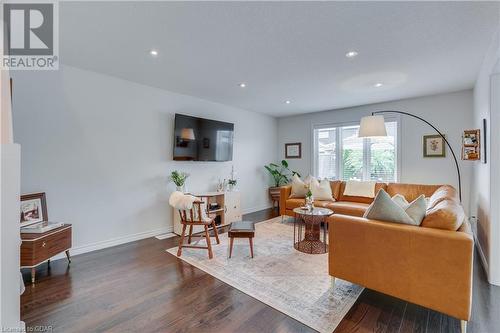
{"type": "Point", "coordinates": [314, 160]}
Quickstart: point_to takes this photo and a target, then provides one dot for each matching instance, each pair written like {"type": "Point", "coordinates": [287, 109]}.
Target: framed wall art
{"type": "Point", "coordinates": [293, 150]}
{"type": "Point", "coordinates": [434, 146]}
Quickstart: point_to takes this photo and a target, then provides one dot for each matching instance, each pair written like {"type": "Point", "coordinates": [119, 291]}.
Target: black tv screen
{"type": "Point", "coordinates": [199, 139]}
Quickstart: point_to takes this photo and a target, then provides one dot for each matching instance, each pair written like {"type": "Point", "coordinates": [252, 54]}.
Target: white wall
{"type": "Point", "coordinates": [101, 148]}
{"type": "Point", "coordinates": [486, 185]}
{"type": "Point", "coordinates": [451, 113]}
{"type": "Point", "coordinates": [10, 239]}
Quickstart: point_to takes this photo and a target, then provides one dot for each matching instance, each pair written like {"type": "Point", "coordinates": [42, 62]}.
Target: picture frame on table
{"type": "Point", "coordinates": [293, 150]}
{"type": "Point", "coordinates": [33, 208]}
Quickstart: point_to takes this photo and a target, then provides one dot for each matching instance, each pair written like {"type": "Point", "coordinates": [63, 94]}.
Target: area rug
{"type": "Point", "coordinates": [290, 281]}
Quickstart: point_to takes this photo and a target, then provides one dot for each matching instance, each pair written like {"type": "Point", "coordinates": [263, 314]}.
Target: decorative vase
{"type": "Point", "coordinates": [181, 188]}
{"type": "Point", "coordinates": [310, 203]}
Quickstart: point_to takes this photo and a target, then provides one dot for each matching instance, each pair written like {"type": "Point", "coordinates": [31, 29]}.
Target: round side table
{"type": "Point", "coordinates": [307, 230]}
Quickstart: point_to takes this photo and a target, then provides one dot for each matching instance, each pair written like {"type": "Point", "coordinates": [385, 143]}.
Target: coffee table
{"type": "Point", "coordinates": [309, 223]}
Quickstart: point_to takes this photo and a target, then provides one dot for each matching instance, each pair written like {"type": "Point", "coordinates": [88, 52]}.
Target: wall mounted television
{"type": "Point", "coordinates": [199, 139]}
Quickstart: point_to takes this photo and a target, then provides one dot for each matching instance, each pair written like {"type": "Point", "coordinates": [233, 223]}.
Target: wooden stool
{"type": "Point", "coordinates": [243, 229]}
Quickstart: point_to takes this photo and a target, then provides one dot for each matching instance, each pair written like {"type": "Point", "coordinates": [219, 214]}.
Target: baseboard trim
{"type": "Point", "coordinates": [484, 262]}
{"type": "Point", "coordinates": [114, 242]}
{"type": "Point", "coordinates": [134, 237]}
{"type": "Point", "coordinates": [256, 209]}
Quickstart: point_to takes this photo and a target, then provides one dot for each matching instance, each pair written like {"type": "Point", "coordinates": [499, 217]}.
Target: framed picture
{"type": "Point", "coordinates": [471, 145]}
{"type": "Point", "coordinates": [33, 208]}
{"type": "Point", "coordinates": [434, 146]}
{"type": "Point", "coordinates": [293, 150]}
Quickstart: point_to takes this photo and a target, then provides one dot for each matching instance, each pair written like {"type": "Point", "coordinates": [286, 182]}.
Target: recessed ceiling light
{"type": "Point", "coordinates": [242, 85]}
{"type": "Point", "coordinates": [351, 54]}
{"type": "Point", "coordinates": [378, 85]}
{"type": "Point", "coordinates": [154, 53]}
{"type": "Point", "coordinates": [288, 101]}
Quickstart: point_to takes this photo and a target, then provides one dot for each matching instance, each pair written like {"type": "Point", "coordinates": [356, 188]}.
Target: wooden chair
{"type": "Point", "coordinates": [189, 218]}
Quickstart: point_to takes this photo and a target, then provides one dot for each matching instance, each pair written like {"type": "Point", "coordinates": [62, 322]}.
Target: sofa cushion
{"type": "Point", "coordinates": [321, 190]}
{"type": "Point", "coordinates": [411, 191]}
{"type": "Point", "coordinates": [400, 200]}
{"type": "Point", "coordinates": [343, 197]}
{"type": "Point", "coordinates": [294, 203]}
{"type": "Point", "coordinates": [445, 192]}
{"type": "Point", "coordinates": [384, 208]}
{"type": "Point", "coordinates": [447, 214]}
{"type": "Point", "coordinates": [299, 186]}
{"type": "Point", "coordinates": [324, 203]}
{"type": "Point", "coordinates": [336, 185]}
{"type": "Point", "coordinates": [356, 188]}
{"type": "Point", "coordinates": [348, 208]}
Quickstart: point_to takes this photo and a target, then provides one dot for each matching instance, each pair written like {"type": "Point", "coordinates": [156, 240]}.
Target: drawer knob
{"type": "Point", "coordinates": [43, 244]}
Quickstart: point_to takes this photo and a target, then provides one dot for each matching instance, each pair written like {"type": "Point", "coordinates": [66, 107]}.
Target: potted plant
{"type": "Point", "coordinates": [281, 175]}
{"type": "Point", "coordinates": [179, 179]}
{"type": "Point", "coordinates": [232, 184]}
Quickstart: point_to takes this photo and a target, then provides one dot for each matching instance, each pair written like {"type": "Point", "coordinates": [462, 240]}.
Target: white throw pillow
{"type": "Point", "coordinates": [360, 189]}
{"type": "Point", "coordinates": [400, 200]}
{"type": "Point", "coordinates": [321, 190]}
{"type": "Point", "coordinates": [384, 208]}
{"type": "Point", "coordinates": [299, 186]}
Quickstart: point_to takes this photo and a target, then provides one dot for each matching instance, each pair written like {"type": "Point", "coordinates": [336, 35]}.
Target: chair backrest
{"type": "Point", "coordinates": [193, 215]}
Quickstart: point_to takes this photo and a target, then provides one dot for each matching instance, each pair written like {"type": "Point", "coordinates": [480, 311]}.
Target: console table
{"type": "Point", "coordinates": [229, 209]}
{"type": "Point", "coordinates": [37, 248]}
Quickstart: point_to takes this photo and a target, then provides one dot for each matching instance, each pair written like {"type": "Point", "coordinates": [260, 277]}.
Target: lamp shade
{"type": "Point", "coordinates": [371, 126]}
{"type": "Point", "coordinates": [187, 134]}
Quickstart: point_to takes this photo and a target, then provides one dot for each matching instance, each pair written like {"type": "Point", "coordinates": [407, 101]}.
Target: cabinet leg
{"type": "Point", "coordinates": [68, 256]}
{"type": "Point", "coordinates": [48, 264]}
{"type": "Point", "coordinates": [33, 272]}
{"type": "Point", "coordinates": [333, 282]}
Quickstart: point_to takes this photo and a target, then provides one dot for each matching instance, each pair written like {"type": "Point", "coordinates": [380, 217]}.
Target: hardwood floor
{"type": "Point", "coordinates": [138, 287]}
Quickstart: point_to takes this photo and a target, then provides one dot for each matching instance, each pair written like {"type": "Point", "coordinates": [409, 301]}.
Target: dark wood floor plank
{"type": "Point", "coordinates": [409, 318]}
{"type": "Point", "coordinates": [397, 315]}
{"type": "Point", "coordinates": [434, 322]}
{"type": "Point", "coordinates": [139, 287]}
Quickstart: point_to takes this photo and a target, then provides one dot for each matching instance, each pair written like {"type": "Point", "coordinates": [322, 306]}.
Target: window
{"type": "Point", "coordinates": [340, 154]}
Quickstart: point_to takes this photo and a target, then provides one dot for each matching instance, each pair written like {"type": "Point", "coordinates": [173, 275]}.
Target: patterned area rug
{"type": "Point", "coordinates": [292, 282]}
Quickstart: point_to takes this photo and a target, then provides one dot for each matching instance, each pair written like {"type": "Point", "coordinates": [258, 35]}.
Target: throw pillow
{"type": "Point", "coordinates": [447, 214]}
{"type": "Point", "coordinates": [321, 190]}
{"type": "Point", "coordinates": [400, 200]}
{"type": "Point", "coordinates": [356, 188]}
{"type": "Point", "coordinates": [299, 187]}
{"type": "Point", "coordinates": [384, 208]}
{"type": "Point", "coordinates": [443, 193]}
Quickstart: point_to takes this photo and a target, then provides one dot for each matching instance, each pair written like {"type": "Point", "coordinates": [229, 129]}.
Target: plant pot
{"type": "Point", "coordinates": [274, 193]}
{"type": "Point", "coordinates": [181, 188]}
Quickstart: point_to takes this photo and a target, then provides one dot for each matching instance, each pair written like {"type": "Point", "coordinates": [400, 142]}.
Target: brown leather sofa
{"type": "Point", "coordinates": [421, 264]}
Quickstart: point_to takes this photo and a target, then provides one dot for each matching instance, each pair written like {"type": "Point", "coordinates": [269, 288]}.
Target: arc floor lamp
{"type": "Point", "coordinates": [374, 125]}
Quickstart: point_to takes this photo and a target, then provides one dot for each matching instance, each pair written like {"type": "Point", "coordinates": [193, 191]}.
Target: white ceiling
{"type": "Point", "coordinates": [283, 51]}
